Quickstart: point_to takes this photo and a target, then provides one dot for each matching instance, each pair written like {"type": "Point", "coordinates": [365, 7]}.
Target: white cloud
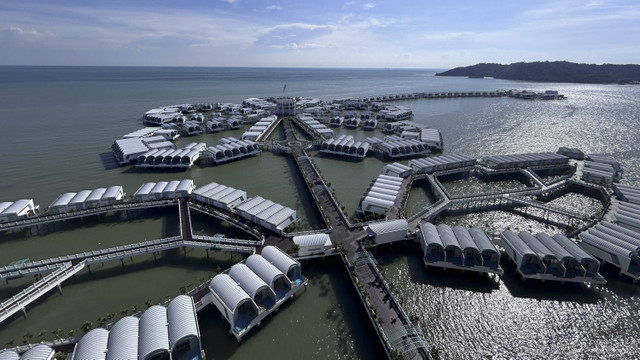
{"type": "Point", "coordinates": [296, 46]}
{"type": "Point", "coordinates": [274, 7]}
{"type": "Point", "coordinates": [447, 36]}
{"type": "Point", "coordinates": [23, 35]}
{"type": "Point", "coordinates": [303, 26]}
{"type": "Point", "coordinates": [368, 6]}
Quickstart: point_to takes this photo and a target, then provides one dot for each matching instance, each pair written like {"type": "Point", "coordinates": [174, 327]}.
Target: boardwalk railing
{"type": "Point", "coordinates": [37, 289]}
{"type": "Point", "coordinates": [63, 267]}
{"type": "Point", "coordinates": [40, 220]}
{"type": "Point", "coordinates": [121, 252]}
{"type": "Point", "coordinates": [219, 214]}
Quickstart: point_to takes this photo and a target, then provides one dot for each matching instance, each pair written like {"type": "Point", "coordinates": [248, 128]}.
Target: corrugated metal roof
{"type": "Point", "coordinates": [159, 187]}
{"type": "Point", "coordinates": [389, 226]}
{"type": "Point", "coordinates": [18, 206]}
{"type": "Point", "coordinates": [260, 207]}
{"type": "Point", "coordinates": [62, 200]}
{"type": "Point", "coordinates": [228, 291]}
{"type": "Point", "coordinates": [429, 233]}
{"type": "Point", "coordinates": [154, 335]}
{"type": "Point", "coordinates": [4, 205]}
{"type": "Point", "coordinates": [181, 314]}
{"type": "Point", "coordinates": [620, 229]}
{"type": "Point", "coordinates": [220, 194]}
{"type": "Point", "coordinates": [535, 245]}
{"type": "Point", "coordinates": [464, 238]}
{"type": "Point", "coordinates": [447, 236]}
{"type": "Point", "coordinates": [144, 189]}
{"type": "Point", "coordinates": [171, 186]}
{"type": "Point", "coordinates": [264, 269]}
{"type": "Point", "coordinates": [320, 239]}
{"type": "Point", "coordinates": [377, 202]}
{"type": "Point", "coordinates": [38, 352]}
{"type": "Point", "coordinates": [233, 196]}
{"type": "Point", "coordinates": [248, 204]}
{"type": "Point", "coordinates": [123, 339]}
{"type": "Point", "coordinates": [553, 246]}
{"type": "Point", "coordinates": [278, 258]}
{"type": "Point", "coordinates": [113, 192]}
{"type": "Point", "coordinates": [96, 194]}
{"type": "Point", "coordinates": [249, 281]}
{"type": "Point", "coordinates": [203, 189]}
{"type": "Point", "coordinates": [516, 243]}
{"type": "Point", "coordinates": [573, 248]}
{"type": "Point", "coordinates": [131, 146]}
{"type": "Point", "coordinates": [185, 185]}
{"type": "Point", "coordinates": [9, 355]}
{"type": "Point", "coordinates": [92, 346]}
{"type": "Point", "coordinates": [257, 207]}
{"type": "Point", "coordinates": [80, 197]}
{"type": "Point", "coordinates": [604, 245]}
{"type": "Point", "coordinates": [482, 240]}
{"type": "Point", "coordinates": [214, 191]}
{"type": "Point", "coordinates": [281, 216]}
{"type": "Point", "coordinates": [616, 239]}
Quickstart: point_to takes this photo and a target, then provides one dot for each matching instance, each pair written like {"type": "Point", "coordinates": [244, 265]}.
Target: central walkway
{"type": "Point", "coordinates": [389, 314]}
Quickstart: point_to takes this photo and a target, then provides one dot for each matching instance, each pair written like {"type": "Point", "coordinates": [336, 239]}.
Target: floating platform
{"type": "Point", "coordinates": [458, 248]}
{"type": "Point", "coordinates": [546, 258]}
{"type": "Point", "coordinates": [249, 291]}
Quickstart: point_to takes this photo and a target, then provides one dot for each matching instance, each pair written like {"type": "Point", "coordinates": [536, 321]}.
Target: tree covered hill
{"type": "Point", "coordinates": [555, 71]}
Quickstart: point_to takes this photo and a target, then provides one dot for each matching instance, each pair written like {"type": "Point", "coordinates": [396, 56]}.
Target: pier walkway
{"type": "Point", "coordinates": [20, 301]}
{"type": "Point", "coordinates": [540, 205]}
{"type": "Point", "coordinates": [377, 294]}
{"type": "Point", "coordinates": [121, 252]}
{"type": "Point", "coordinates": [186, 231]}
{"type": "Point", "coordinates": [494, 201]}
{"type": "Point", "coordinates": [41, 220]}
{"type": "Point", "coordinates": [64, 267]}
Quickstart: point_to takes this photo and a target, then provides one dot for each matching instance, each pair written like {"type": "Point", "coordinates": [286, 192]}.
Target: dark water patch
{"type": "Point", "coordinates": [547, 290]}
{"type": "Point", "coordinates": [203, 224]}
{"type": "Point", "coordinates": [433, 276]}
{"type": "Point", "coordinates": [108, 161]}
{"type": "Point", "coordinates": [322, 322]}
{"type": "Point", "coordinates": [420, 196]}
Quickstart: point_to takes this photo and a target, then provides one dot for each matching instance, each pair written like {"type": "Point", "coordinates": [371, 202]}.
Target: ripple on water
{"type": "Point", "coordinates": [468, 316]}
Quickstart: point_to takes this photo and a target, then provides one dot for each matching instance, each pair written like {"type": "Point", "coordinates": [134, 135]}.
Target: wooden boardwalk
{"type": "Point", "coordinates": [46, 219]}
{"type": "Point", "coordinates": [387, 309]}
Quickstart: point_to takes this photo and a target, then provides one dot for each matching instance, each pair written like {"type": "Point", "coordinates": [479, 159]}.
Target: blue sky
{"type": "Point", "coordinates": [372, 34]}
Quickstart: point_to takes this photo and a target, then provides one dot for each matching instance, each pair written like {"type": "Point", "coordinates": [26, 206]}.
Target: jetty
{"type": "Point", "coordinates": [393, 326]}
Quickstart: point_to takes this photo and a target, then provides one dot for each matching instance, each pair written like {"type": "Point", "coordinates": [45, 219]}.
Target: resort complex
{"type": "Point", "coordinates": [274, 250]}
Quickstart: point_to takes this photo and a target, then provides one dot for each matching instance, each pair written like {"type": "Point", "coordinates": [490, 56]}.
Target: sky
{"type": "Point", "coordinates": [306, 33]}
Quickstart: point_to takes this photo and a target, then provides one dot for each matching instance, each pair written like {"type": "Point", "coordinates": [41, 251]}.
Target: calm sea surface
{"type": "Point", "coordinates": [58, 126]}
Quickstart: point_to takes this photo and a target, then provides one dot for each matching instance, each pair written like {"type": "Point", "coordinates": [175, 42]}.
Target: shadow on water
{"type": "Point", "coordinates": [349, 326]}
{"type": "Point", "coordinates": [108, 161]}
{"type": "Point", "coordinates": [203, 224]}
{"type": "Point", "coordinates": [169, 217]}
{"type": "Point", "coordinates": [349, 315]}
{"type": "Point", "coordinates": [308, 204]}
{"type": "Point", "coordinates": [136, 170]}
{"type": "Point", "coordinates": [337, 157]}
{"type": "Point", "coordinates": [621, 286]}
{"type": "Point", "coordinates": [436, 277]}
{"type": "Point", "coordinates": [170, 259]}
{"type": "Point", "coordinates": [548, 290]}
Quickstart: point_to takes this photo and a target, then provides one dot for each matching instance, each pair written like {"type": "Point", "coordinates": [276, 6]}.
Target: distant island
{"type": "Point", "coordinates": [554, 71]}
